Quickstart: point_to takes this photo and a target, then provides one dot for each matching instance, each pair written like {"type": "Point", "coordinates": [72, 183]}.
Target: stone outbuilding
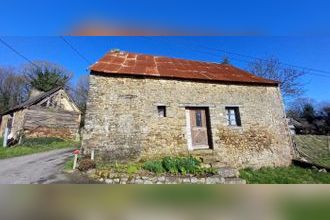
{"type": "Point", "coordinates": [143, 107]}
{"type": "Point", "coordinates": [44, 114]}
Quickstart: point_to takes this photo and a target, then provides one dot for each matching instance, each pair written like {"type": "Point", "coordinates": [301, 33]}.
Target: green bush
{"type": "Point", "coordinates": [188, 165]}
{"type": "Point", "coordinates": [183, 165]}
{"type": "Point", "coordinates": [178, 165]}
{"type": "Point", "coordinates": [154, 166]}
{"type": "Point", "coordinates": [170, 165]}
{"type": "Point", "coordinates": [132, 169]}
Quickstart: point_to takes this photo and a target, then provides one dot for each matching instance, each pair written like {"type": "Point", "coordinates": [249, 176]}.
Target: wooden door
{"type": "Point", "coordinates": [199, 128]}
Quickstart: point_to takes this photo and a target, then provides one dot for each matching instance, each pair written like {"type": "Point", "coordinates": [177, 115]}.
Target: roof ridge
{"type": "Point", "coordinates": [33, 100]}
{"type": "Point", "coordinates": [163, 56]}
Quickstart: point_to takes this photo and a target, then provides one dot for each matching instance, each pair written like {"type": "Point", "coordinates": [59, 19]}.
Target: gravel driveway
{"type": "Point", "coordinates": [43, 167]}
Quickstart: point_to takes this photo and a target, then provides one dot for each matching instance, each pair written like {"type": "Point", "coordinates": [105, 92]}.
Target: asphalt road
{"type": "Point", "coordinates": [40, 168]}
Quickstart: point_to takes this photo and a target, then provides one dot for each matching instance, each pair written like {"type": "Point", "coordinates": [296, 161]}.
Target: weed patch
{"type": "Point", "coordinates": [177, 165]}
{"type": "Point", "coordinates": [36, 145]}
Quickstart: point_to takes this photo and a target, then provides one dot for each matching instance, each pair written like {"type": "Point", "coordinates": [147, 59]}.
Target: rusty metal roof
{"type": "Point", "coordinates": [33, 100]}
{"type": "Point", "coordinates": [125, 63]}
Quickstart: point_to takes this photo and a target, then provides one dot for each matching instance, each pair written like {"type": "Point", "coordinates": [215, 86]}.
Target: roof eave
{"type": "Point", "coordinates": [109, 74]}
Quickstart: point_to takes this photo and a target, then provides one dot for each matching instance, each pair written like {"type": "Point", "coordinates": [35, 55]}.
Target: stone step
{"type": "Point", "coordinates": [228, 172]}
{"type": "Point", "coordinates": [234, 180]}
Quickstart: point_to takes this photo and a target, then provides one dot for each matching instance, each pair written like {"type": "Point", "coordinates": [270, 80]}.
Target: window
{"type": "Point", "coordinates": [233, 116]}
{"type": "Point", "coordinates": [161, 111]}
{"type": "Point", "coordinates": [198, 118]}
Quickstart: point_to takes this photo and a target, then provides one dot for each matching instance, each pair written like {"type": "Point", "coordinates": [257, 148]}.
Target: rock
{"type": "Point", "coordinates": [153, 179]}
{"type": "Point", "coordinates": [131, 181]}
{"type": "Point", "coordinates": [148, 182]}
{"type": "Point", "coordinates": [138, 181]}
{"type": "Point", "coordinates": [161, 179]}
{"type": "Point", "coordinates": [116, 180]}
{"type": "Point", "coordinates": [228, 172]}
{"type": "Point", "coordinates": [172, 180]}
{"type": "Point", "coordinates": [91, 172]}
{"type": "Point", "coordinates": [186, 180]}
{"type": "Point", "coordinates": [234, 180]}
{"type": "Point", "coordinates": [214, 180]}
{"type": "Point", "coordinates": [193, 180]}
{"type": "Point", "coordinates": [323, 171]}
{"type": "Point", "coordinates": [101, 179]}
{"type": "Point", "coordinates": [314, 168]}
{"type": "Point", "coordinates": [108, 181]}
{"type": "Point", "coordinates": [201, 180]}
{"type": "Point", "coordinates": [205, 165]}
{"type": "Point", "coordinates": [123, 180]}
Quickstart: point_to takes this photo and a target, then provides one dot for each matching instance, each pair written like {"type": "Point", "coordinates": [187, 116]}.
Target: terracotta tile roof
{"type": "Point", "coordinates": [124, 63]}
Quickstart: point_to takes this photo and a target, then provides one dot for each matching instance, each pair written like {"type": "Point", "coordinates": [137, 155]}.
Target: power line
{"type": "Point", "coordinates": [258, 58]}
{"type": "Point", "coordinates": [191, 48]}
{"type": "Point", "coordinates": [18, 53]}
{"type": "Point", "coordinates": [76, 51]}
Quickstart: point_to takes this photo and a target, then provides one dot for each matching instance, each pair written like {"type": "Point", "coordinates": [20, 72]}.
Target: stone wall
{"type": "Point", "coordinates": [18, 120]}
{"type": "Point", "coordinates": [122, 120]}
{"type": "Point", "coordinates": [3, 124]}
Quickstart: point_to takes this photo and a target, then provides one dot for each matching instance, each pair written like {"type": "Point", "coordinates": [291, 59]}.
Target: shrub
{"type": "Point", "coordinates": [154, 166]}
{"type": "Point", "coordinates": [176, 165]}
{"type": "Point", "coordinates": [188, 165]}
{"type": "Point", "coordinates": [131, 169]}
{"type": "Point", "coordinates": [86, 164]}
{"type": "Point", "coordinates": [183, 165]}
{"type": "Point", "coordinates": [170, 164]}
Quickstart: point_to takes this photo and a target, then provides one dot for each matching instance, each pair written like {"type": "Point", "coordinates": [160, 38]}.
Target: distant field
{"type": "Point", "coordinates": [315, 146]}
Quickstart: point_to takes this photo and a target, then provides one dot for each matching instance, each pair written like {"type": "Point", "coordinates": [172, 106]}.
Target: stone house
{"type": "Point", "coordinates": [144, 107]}
{"type": "Point", "coordinates": [44, 114]}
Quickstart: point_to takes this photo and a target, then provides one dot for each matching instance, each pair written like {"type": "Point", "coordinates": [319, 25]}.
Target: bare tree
{"type": "Point", "coordinates": [80, 94]}
{"type": "Point", "coordinates": [45, 75]}
{"type": "Point", "coordinates": [271, 68]}
{"type": "Point", "coordinates": [13, 88]}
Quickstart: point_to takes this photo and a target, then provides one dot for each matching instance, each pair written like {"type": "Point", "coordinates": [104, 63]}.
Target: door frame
{"type": "Point", "coordinates": [208, 127]}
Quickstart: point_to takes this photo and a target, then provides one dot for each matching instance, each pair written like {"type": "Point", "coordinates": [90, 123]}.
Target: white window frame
{"type": "Point", "coordinates": [231, 116]}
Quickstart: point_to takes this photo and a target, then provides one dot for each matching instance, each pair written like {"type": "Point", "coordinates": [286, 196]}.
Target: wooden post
{"type": "Point", "coordinates": [92, 155]}
{"type": "Point", "coordinates": [75, 161]}
{"type": "Point", "coordinates": [5, 138]}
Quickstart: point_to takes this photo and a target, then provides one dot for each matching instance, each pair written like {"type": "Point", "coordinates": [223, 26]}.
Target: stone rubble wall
{"type": "Point", "coordinates": [225, 175]}
{"type": "Point", "coordinates": [122, 122]}
{"type": "Point", "coordinates": [216, 179]}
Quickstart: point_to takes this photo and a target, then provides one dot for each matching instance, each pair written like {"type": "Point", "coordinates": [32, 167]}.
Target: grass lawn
{"type": "Point", "coordinates": [36, 145]}
{"type": "Point", "coordinates": [315, 146]}
{"type": "Point", "coordinates": [69, 163]}
{"type": "Point", "coordinates": [284, 175]}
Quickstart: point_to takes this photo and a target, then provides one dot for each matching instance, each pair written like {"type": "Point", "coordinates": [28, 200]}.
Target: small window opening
{"type": "Point", "coordinates": [233, 116]}
{"type": "Point", "coordinates": [161, 111]}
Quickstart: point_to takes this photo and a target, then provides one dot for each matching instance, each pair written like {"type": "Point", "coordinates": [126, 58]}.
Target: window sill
{"type": "Point", "coordinates": [234, 126]}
